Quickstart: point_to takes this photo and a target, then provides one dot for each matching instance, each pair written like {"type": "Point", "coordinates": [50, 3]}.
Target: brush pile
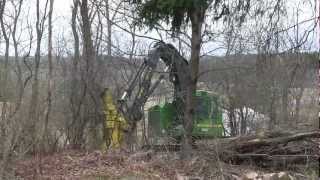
{"type": "Point", "coordinates": [272, 148]}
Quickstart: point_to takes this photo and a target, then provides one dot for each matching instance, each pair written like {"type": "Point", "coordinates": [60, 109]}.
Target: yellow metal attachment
{"type": "Point", "coordinates": [115, 123]}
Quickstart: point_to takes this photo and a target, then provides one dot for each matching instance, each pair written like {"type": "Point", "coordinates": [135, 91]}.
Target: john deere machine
{"type": "Point", "coordinates": [166, 119]}
{"type": "Point", "coordinates": [164, 124]}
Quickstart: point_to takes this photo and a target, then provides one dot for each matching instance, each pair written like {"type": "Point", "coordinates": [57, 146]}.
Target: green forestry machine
{"type": "Point", "coordinates": [165, 120]}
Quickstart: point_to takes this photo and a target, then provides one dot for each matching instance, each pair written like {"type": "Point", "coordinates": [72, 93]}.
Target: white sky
{"type": "Point", "coordinates": [62, 18]}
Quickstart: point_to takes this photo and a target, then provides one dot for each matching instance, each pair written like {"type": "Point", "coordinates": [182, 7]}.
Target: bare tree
{"type": "Point", "coordinates": [5, 73]}
{"type": "Point", "coordinates": [90, 63]}
{"type": "Point", "coordinates": [16, 53]}
{"type": "Point", "coordinates": [10, 102]}
{"type": "Point", "coordinates": [75, 99]}
{"type": "Point", "coordinates": [109, 28]}
{"type": "Point", "coordinates": [4, 91]}
{"type": "Point", "coordinates": [34, 113]}
{"type": "Point", "coordinates": [50, 76]}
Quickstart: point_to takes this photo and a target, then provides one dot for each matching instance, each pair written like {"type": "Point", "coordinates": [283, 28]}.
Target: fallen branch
{"type": "Point", "coordinates": [278, 148]}
{"type": "Point", "coordinates": [249, 145]}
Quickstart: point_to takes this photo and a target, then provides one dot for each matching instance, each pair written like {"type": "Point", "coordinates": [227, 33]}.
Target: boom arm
{"type": "Point", "coordinates": [140, 88]}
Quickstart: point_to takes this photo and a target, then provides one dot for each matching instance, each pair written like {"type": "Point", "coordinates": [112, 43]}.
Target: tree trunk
{"type": "Point", "coordinates": [5, 73]}
{"type": "Point", "coordinates": [4, 95]}
{"type": "Point", "coordinates": [92, 102]}
{"type": "Point", "coordinates": [76, 91]}
{"type": "Point", "coordinates": [33, 111]}
{"type": "Point", "coordinates": [243, 120]}
{"type": "Point", "coordinates": [197, 18]}
{"type": "Point", "coordinates": [284, 106]}
{"type": "Point", "coordinates": [108, 27]}
{"type": "Point", "coordinates": [50, 79]}
{"type": "Point", "coordinates": [16, 59]}
{"type": "Point", "coordinates": [232, 120]}
{"type": "Point", "coordinates": [297, 106]}
{"type": "Point", "coordinates": [272, 112]}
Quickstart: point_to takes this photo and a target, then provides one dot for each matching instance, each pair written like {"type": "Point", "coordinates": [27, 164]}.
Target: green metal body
{"type": "Point", "coordinates": [207, 122]}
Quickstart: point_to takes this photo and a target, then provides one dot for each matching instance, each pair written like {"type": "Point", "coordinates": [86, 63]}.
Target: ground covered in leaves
{"type": "Point", "coordinates": [74, 164]}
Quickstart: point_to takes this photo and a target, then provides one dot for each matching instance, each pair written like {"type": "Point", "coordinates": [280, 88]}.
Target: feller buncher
{"type": "Point", "coordinates": [164, 119]}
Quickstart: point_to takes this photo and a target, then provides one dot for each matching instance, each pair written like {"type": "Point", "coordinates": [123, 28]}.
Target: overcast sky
{"type": "Point", "coordinates": [62, 17]}
{"type": "Point", "coordinates": [63, 14]}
